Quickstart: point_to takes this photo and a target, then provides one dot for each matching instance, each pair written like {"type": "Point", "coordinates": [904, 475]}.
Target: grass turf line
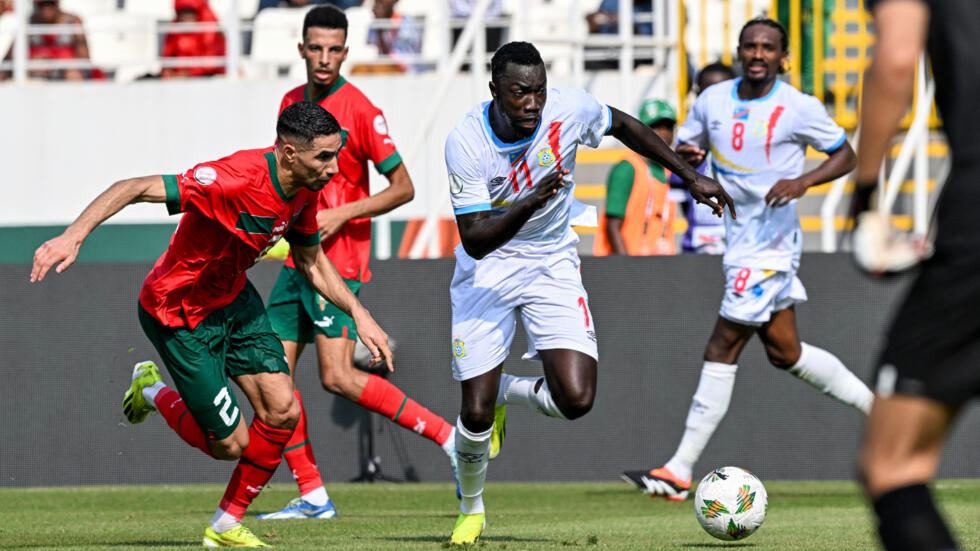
{"type": "Point", "coordinates": [802, 515]}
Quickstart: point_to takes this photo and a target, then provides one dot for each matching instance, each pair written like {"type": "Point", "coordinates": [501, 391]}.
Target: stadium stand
{"type": "Point", "coordinates": [124, 42]}
{"type": "Point", "coordinates": [125, 38]}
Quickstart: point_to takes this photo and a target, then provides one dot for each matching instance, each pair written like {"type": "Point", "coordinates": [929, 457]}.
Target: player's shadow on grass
{"type": "Point", "coordinates": [626, 489]}
{"type": "Point", "coordinates": [101, 543]}
{"type": "Point", "coordinates": [494, 539]}
{"type": "Point", "coordinates": [717, 545]}
{"type": "Point", "coordinates": [822, 495]}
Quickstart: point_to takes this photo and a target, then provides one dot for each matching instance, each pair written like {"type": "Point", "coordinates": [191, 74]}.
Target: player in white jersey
{"type": "Point", "coordinates": [757, 129]}
{"type": "Point", "coordinates": [510, 164]}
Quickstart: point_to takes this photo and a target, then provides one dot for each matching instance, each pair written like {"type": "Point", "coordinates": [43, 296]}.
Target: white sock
{"type": "Point", "coordinates": [317, 497]}
{"type": "Point", "coordinates": [520, 391]}
{"type": "Point", "coordinates": [473, 453]}
{"type": "Point", "coordinates": [222, 521]}
{"type": "Point", "coordinates": [150, 392]}
{"type": "Point", "coordinates": [708, 408]}
{"type": "Point", "coordinates": [829, 375]}
{"type": "Point", "coordinates": [449, 446]}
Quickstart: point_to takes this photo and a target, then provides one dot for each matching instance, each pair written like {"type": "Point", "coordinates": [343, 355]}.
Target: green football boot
{"type": "Point", "coordinates": [468, 529]}
{"type": "Point", "coordinates": [499, 430]}
{"type": "Point", "coordinates": [238, 536]}
{"type": "Point", "coordinates": [135, 406]}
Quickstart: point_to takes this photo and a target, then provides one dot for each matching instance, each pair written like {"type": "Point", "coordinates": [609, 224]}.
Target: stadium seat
{"type": "Point", "coordinates": [124, 42]}
{"type": "Point", "coordinates": [276, 32]}
{"type": "Point", "coordinates": [7, 24]}
{"type": "Point", "coordinates": [88, 8]}
{"type": "Point", "coordinates": [435, 39]}
{"type": "Point", "coordinates": [547, 21]}
{"type": "Point", "coordinates": [160, 10]}
{"type": "Point", "coordinates": [418, 8]}
{"type": "Point", "coordinates": [246, 8]}
{"type": "Point", "coordinates": [358, 27]}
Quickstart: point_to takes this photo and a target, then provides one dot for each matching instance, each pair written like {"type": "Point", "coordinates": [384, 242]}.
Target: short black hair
{"type": "Point", "coordinates": [303, 121]}
{"type": "Point", "coordinates": [327, 17]}
{"type": "Point", "coordinates": [518, 53]}
{"type": "Point", "coordinates": [763, 20]}
{"type": "Point", "coordinates": [717, 67]}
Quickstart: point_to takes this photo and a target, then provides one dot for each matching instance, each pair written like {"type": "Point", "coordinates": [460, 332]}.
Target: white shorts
{"type": "Point", "coordinates": [487, 295]}
{"type": "Point", "coordinates": [753, 294]}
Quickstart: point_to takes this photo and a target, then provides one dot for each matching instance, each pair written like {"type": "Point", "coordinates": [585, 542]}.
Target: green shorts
{"type": "Point", "coordinates": [297, 312]}
{"type": "Point", "coordinates": [234, 340]}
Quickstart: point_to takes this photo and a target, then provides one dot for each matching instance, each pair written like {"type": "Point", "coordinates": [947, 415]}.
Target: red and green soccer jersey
{"type": "Point", "coordinates": [365, 139]}
{"type": "Point", "coordinates": [234, 211]}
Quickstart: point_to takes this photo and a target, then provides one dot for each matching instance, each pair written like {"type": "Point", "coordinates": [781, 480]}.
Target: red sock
{"type": "Point", "coordinates": [257, 465]}
{"type": "Point", "coordinates": [385, 398]}
{"type": "Point", "coordinates": [172, 407]}
{"type": "Point", "coordinates": [299, 456]}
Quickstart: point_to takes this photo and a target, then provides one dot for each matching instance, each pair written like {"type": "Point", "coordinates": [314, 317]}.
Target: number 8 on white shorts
{"type": "Point", "coordinates": [753, 294]}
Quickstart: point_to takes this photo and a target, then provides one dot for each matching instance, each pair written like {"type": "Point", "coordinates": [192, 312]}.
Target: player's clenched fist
{"type": "Point", "coordinates": [547, 188]}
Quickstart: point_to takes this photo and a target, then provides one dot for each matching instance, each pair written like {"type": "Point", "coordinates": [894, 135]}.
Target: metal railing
{"type": "Point", "coordinates": [914, 149]}
{"type": "Point", "coordinates": [584, 47]}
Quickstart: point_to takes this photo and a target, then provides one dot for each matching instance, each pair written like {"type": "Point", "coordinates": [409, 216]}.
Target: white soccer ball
{"type": "Point", "coordinates": [730, 503]}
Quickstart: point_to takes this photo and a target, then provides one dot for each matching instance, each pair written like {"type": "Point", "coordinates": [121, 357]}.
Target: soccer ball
{"type": "Point", "coordinates": [730, 503]}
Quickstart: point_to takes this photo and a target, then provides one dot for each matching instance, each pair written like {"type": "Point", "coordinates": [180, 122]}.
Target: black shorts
{"type": "Point", "coordinates": [933, 345]}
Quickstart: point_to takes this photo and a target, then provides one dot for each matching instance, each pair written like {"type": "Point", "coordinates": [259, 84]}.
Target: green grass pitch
{"type": "Point", "coordinates": [802, 515]}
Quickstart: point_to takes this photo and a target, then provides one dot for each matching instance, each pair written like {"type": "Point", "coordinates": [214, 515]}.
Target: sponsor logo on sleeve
{"type": "Point", "coordinates": [380, 126]}
{"type": "Point", "coordinates": [205, 175]}
{"type": "Point", "coordinates": [455, 184]}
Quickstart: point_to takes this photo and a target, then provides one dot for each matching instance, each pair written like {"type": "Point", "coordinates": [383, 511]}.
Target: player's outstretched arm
{"type": "Point", "coordinates": [63, 250]}
{"type": "Point", "coordinates": [323, 276]}
{"type": "Point", "coordinates": [400, 190]}
{"type": "Point", "coordinates": [643, 140]}
{"type": "Point", "coordinates": [841, 161]}
{"type": "Point", "coordinates": [483, 232]}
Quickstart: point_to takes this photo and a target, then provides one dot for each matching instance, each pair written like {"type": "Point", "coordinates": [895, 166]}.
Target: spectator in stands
{"type": "Point", "coordinates": [54, 46]}
{"type": "Point", "coordinates": [705, 232]}
{"type": "Point", "coordinates": [210, 43]}
{"type": "Point", "coordinates": [404, 39]}
{"type": "Point", "coordinates": [462, 9]}
{"type": "Point", "coordinates": [639, 215]}
{"type": "Point", "coordinates": [605, 20]}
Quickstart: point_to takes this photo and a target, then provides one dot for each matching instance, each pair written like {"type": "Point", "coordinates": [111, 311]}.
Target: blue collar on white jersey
{"type": "Point", "coordinates": [738, 81]}
{"type": "Point", "coordinates": [496, 140]}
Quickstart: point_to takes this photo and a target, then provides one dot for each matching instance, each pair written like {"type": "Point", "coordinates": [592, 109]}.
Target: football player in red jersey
{"type": "Point", "coordinates": [203, 316]}
{"type": "Point", "coordinates": [297, 313]}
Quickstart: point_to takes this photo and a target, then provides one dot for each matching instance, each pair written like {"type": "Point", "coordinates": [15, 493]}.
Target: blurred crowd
{"type": "Point", "coordinates": [398, 37]}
